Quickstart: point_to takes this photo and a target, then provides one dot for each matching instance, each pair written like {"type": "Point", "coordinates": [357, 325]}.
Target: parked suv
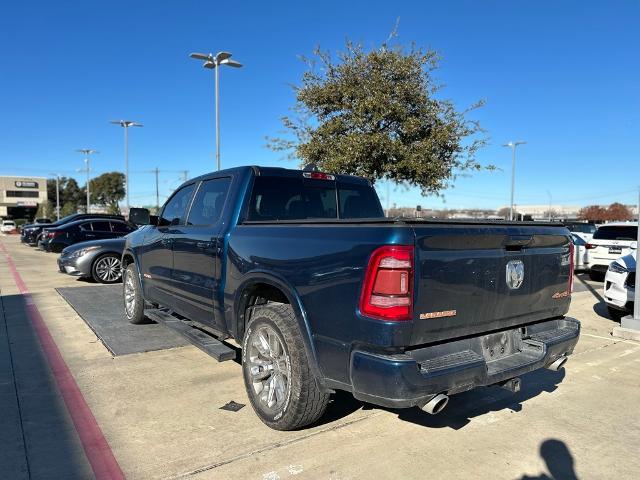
{"type": "Point", "coordinates": [611, 241]}
{"type": "Point", "coordinates": [56, 239]}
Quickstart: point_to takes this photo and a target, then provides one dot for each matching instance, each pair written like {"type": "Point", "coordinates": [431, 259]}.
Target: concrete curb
{"type": "Point", "coordinates": [626, 333]}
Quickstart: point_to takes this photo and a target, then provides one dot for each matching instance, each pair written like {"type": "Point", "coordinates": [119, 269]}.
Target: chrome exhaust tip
{"type": "Point", "coordinates": [436, 404]}
{"type": "Point", "coordinates": [558, 364]}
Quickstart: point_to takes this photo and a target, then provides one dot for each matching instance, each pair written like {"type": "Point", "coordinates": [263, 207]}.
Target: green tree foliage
{"type": "Point", "coordinates": [45, 210]}
{"type": "Point", "coordinates": [107, 190]}
{"type": "Point", "coordinates": [68, 209]}
{"type": "Point", "coordinates": [71, 195]}
{"type": "Point", "coordinates": [375, 114]}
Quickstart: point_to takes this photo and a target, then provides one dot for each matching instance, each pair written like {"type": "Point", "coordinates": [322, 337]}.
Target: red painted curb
{"type": "Point", "coordinates": [96, 448]}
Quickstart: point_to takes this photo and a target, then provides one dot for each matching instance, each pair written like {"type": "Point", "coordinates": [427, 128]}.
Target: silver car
{"type": "Point", "coordinates": [97, 259]}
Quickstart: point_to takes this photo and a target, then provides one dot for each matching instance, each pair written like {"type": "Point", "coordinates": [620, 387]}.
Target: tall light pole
{"type": "Point", "coordinates": [57, 195]}
{"type": "Point", "coordinates": [126, 124]}
{"type": "Point", "coordinates": [550, 199]}
{"type": "Point", "coordinates": [87, 152]}
{"type": "Point", "coordinates": [513, 146]}
{"type": "Point", "coordinates": [214, 62]}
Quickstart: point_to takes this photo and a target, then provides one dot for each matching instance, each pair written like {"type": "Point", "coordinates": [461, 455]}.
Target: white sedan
{"type": "Point", "coordinates": [580, 253]}
{"type": "Point", "coordinates": [620, 284]}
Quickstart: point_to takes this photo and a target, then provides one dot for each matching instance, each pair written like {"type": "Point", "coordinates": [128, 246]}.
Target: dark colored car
{"type": "Point", "coordinates": [324, 293]}
{"type": "Point", "coordinates": [56, 239]}
{"type": "Point", "coordinates": [98, 259]}
{"type": "Point", "coordinates": [31, 233]}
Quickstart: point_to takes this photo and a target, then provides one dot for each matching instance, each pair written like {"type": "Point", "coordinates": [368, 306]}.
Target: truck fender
{"type": "Point", "coordinates": [289, 291]}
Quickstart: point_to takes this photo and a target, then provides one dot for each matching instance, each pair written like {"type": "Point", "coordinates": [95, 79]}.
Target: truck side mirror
{"type": "Point", "coordinates": [140, 216]}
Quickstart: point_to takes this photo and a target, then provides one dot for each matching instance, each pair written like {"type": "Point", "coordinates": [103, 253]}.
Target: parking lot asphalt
{"type": "Point", "coordinates": [159, 412]}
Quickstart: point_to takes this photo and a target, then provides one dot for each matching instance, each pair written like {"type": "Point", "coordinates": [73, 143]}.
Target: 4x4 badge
{"type": "Point", "coordinates": [515, 274]}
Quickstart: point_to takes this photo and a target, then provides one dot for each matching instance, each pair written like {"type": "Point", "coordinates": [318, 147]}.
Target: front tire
{"type": "Point", "coordinates": [132, 296]}
{"type": "Point", "coordinates": [107, 268]}
{"type": "Point", "coordinates": [282, 390]}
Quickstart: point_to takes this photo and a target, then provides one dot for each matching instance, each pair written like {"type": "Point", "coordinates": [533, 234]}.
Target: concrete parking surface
{"type": "Point", "coordinates": [160, 415]}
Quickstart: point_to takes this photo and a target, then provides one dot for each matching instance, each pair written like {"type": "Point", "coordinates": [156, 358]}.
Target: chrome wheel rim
{"type": "Point", "coordinates": [109, 269]}
{"type": "Point", "coordinates": [269, 368]}
{"type": "Point", "coordinates": [129, 295]}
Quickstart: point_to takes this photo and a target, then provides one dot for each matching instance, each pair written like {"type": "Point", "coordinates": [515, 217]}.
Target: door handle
{"type": "Point", "coordinates": [204, 245]}
{"type": "Point", "coordinates": [166, 241]}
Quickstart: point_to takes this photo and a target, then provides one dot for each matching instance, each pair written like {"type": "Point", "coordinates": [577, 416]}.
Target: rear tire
{"type": "Point", "coordinates": [282, 390]}
{"type": "Point", "coordinates": [132, 296]}
{"type": "Point", "coordinates": [107, 268]}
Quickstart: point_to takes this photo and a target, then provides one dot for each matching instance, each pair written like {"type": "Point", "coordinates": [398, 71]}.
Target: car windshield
{"type": "Point", "coordinates": [621, 232]}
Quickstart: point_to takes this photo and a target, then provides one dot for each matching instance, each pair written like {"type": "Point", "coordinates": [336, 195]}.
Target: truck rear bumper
{"type": "Point", "coordinates": [413, 378]}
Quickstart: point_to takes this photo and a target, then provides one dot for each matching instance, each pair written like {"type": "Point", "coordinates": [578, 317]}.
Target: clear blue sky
{"type": "Point", "coordinates": [564, 76]}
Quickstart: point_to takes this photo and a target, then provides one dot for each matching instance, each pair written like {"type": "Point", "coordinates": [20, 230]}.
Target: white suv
{"type": "Point", "coordinates": [611, 241]}
{"type": "Point", "coordinates": [8, 226]}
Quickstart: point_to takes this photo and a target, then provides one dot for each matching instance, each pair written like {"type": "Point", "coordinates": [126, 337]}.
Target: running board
{"type": "Point", "coordinates": [205, 342]}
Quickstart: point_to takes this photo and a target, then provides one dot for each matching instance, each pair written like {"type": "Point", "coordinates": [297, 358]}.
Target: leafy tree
{"type": "Point", "coordinates": [108, 190]}
{"type": "Point", "coordinates": [618, 211]}
{"type": "Point", "coordinates": [45, 210]}
{"type": "Point", "coordinates": [68, 209]}
{"type": "Point", "coordinates": [374, 113]}
{"type": "Point", "coordinates": [71, 193]}
{"type": "Point", "coordinates": [594, 213]}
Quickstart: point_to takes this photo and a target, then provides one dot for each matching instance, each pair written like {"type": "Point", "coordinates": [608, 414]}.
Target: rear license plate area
{"type": "Point", "coordinates": [615, 250]}
{"type": "Point", "coordinates": [499, 345]}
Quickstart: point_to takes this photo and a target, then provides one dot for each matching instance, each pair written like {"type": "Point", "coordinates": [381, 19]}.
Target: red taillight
{"type": "Point", "coordinates": [589, 246]}
{"type": "Point", "coordinates": [572, 265]}
{"type": "Point", "coordinates": [387, 291]}
{"type": "Point", "coordinates": [54, 234]}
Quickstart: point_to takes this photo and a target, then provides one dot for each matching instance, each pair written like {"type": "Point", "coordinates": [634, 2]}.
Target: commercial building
{"type": "Point", "coordinates": [20, 196]}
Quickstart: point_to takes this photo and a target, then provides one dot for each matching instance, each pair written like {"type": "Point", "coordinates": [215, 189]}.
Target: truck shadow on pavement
{"type": "Point", "coordinates": [462, 407]}
{"type": "Point", "coordinates": [465, 406]}
{"type": "Point", "coordinates": [37, 436]}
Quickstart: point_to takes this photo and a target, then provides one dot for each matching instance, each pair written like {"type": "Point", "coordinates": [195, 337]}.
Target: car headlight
{"type": "Point", "coordinates": [617, 268]}
{"type": "Point", "coordinates": [84, 251]}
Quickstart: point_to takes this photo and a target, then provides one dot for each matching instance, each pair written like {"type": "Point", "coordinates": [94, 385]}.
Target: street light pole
{"type": "Point", "coordinates": [513, 146]}
{"type": "Point", "coordinates": [214, 62]}
{"type": "Point", "coordinates": [550, 199]}
{"type": "Point", "coordinates": [87, 167]}
{"type": "Point", "coordinates": [126, 124]}
{"type": "Point", "coordinates": [57, 195]}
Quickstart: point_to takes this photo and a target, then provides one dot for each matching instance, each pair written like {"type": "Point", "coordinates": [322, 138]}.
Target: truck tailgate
{"type": "Point", "coordinates": [461, 279]}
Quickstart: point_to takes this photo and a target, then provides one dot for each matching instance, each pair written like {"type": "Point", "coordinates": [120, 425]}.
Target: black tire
{"type": "Point", "coordinates": [134, 314]}
{"type": "Point", "coordinates": [113, 258]}
{"type": "Point", "coordinates": [616, 314]}
{"type": "Point", "coordinates": [596, 276]}
{"type": "Point", "coordinates": [304, 402]}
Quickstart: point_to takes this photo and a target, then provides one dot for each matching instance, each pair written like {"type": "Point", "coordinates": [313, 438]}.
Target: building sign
{"type": "Point", "coordinates": [25, 184]}
{"type": "Point", "coordinates": [26, 204]}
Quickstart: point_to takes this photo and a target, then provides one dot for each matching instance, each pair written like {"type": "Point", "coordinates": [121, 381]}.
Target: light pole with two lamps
{"type": "Point", "coordinates": [214, 62]}
{"type": "Point", "coordinates": [126, 124]}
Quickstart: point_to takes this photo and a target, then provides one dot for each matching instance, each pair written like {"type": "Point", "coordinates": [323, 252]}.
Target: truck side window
{"type": "Point", "coordinates": [175, 211]}
{"type": "Point", "coordinates": [358, 201]}
{"type": "Point", "coordinates": [209, 201]}
{"type": "Point", "coordinates": [101, 226]}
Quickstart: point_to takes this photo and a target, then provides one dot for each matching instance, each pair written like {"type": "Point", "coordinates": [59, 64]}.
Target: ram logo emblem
{"type": "Point", "coordinates": [515, 274]}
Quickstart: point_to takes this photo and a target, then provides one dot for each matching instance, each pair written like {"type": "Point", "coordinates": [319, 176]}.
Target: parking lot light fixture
{"type": "Point", "coordinates": [87, 152]}
{"type": "Point", "coordinates": [57, 175]}
{"type": "Point", "coordinates": [513, 145]}
{"type": "Point", "coordinates": [214, 62]}
{"type": "Point", "coordinates": [126, 124]}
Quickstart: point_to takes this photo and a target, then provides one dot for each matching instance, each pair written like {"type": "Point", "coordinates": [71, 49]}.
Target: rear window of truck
{"type": "Point", "coordinates": [290, 198]}
{"type": "Point", "coordinates": [616, 233]}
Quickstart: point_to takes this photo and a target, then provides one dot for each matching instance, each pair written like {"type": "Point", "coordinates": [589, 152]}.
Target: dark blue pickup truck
{"type": "Point", "coordinates": [322, 292]}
